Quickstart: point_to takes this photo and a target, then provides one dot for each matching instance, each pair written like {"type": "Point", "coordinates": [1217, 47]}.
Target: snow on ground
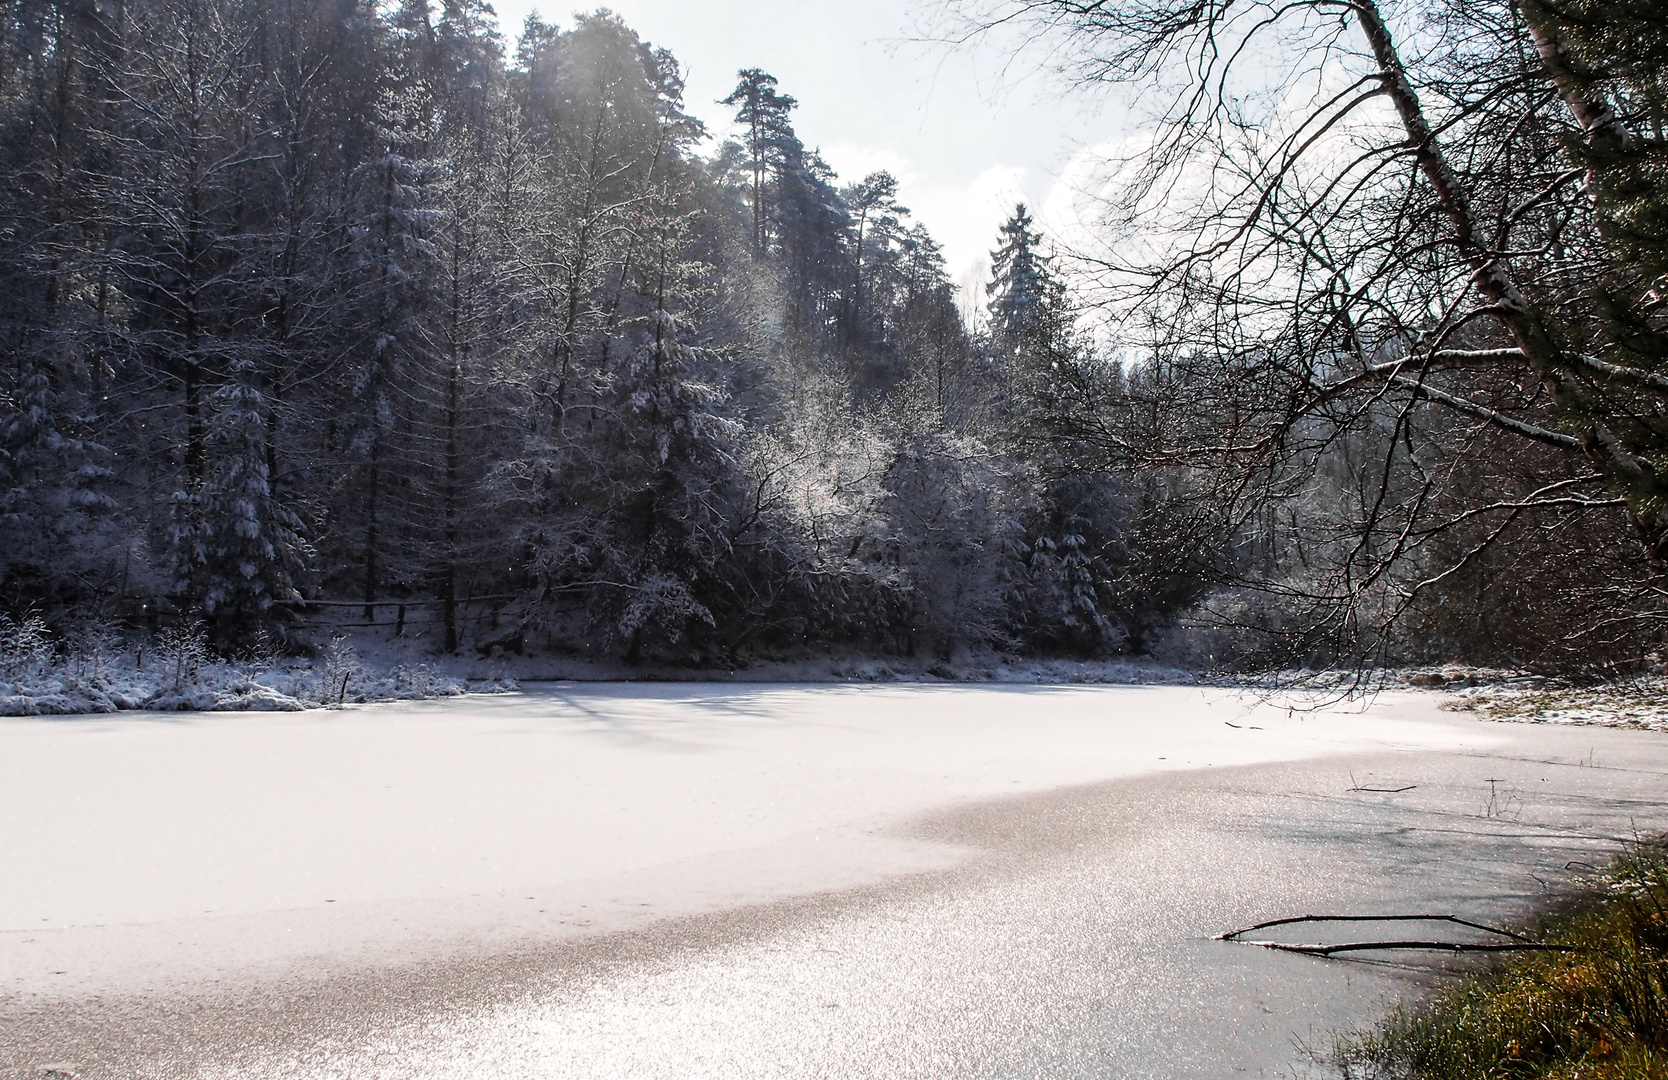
{"type": "Point", "coordinates": [1635, 703]}
{"type": "Point", "coordinates": [175, 672]}
{"type": "Point", "coordinates": [1639, 702]}
{"type": "Point", "coordinates": [164, 850]}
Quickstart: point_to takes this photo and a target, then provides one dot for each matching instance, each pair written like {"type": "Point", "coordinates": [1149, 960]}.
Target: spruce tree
{"type": "Point", "coordinates": [1031, 333]}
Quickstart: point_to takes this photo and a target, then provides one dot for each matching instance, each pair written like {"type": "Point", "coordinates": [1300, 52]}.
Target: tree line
{"type": "Point", "coordinates": [315, 302]}
{"type": "Point", "coordinates": [1393, 275]}
{"type": "Point", "coordinates": [324, 300]}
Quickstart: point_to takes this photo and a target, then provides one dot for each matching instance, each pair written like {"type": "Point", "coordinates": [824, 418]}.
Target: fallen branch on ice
{"type": "Point", "coordinates": [1354, 786]}
{"type": "Point", "coordinates": [1516, 942]}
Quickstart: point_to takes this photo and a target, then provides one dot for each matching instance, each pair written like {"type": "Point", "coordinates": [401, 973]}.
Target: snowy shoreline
{"type": "Point", "coordinates": [177, 673]}
{"type": "Point", "coordinates": [78, 684]}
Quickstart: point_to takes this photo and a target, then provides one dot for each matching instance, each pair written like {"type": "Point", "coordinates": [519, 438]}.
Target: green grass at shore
{"type": "Point", "coordinates": [1597, 1012]}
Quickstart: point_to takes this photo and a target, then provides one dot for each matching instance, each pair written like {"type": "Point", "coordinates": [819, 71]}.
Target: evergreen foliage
{"type": "Point", "coordinates": [324, 300]}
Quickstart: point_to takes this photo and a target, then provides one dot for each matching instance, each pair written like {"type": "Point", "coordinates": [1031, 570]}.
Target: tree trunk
{"type": "Point", "coordinates": [1534, 333]}
{"type": "Point", "coordinates": [449, 496]}
{"type": "Point", "coordinates": [371, 491]}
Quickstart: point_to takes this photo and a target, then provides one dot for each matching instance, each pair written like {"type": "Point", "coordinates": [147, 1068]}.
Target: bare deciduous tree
{"type": "Point", "coordinates": [1356, 263]}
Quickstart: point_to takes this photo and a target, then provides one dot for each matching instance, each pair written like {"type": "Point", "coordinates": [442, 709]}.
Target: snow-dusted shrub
{"type": "Point", "coordinates": [176, 671]}
{"type": "Point", "coordinates": [337, 668]}
{"type": "Point", "coordinates": [26, 656]}
{"type": "Point", "coordinates": [407, 681]}
{"type": "Point", "coordinates": [191, 678]}
{"type": "Point", "coordinates": [260, 652]}
{"type": "Point", "coordinates": [35, 679]}
{"type": "Point", "coordinates": [182, 651]}
{"type": "Point", "coordinates": [26, 650]}
{"type": "Point", "coordinates": [340, 676]}
{"type": "Point", "coordinates": [93, 652]}
{"type": "Point", "coordinates": [241, 693]}
{"type": "Point", "coordinates": [1229, 630]}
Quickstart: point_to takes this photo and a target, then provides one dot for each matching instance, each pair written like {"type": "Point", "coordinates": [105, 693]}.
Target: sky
{"type": "Point", "coordinates": [966, 133]}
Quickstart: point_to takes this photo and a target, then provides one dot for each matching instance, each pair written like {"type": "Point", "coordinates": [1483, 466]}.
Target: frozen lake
{"type": "Point", "coordinates": [719, 880]}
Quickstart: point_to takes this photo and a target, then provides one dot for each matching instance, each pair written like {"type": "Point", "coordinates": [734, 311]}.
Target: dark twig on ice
{"type": "Point", "coordinates": [1516, 942]}
{"type": "Point", "coordinates": [1353, 786]}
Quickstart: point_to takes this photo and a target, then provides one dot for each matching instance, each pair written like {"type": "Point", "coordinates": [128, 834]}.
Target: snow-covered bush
{"type": "Point", "coordinates": [35, 678]}
{"type": "Point", "coordinates": [406, 681]}
{"type": "Point", "coordinates": [92, 652]}
{"type": "Point", "coordinates": [96, 671]}
{"type": "Point", "coordinates": [340, 663]}
{"type": "Point", "coordinates": [182, 651]}
{"type": "Point", "coordinates": [26, 650]}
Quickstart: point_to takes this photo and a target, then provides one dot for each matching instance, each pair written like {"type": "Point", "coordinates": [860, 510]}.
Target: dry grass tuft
{"type": "Point", "coordinates": [1641, 703]}
{"type": "Point", "coordinates": [1599, 1013]}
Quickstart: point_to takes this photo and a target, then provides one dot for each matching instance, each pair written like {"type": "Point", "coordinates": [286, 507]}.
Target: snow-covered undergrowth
{"type": "Point", "coordinates": [1521, 697]}
{"type": "Point", "coordinates": [1634, 703]}
{"type": "Point", "coordinates": [176, 671]}
{"type": "Point", "coordinates": [1009, 669]}
{"type": "Point", "coordinates": [852, 666]}
{"type": "Point", "coordinates": [1501, 694]}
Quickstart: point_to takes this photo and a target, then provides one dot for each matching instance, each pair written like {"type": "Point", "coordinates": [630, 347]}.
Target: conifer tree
{"type": "Point", "coordinates": [1031, 323]}
{"type": "Point", "coordinates": [1025, 299]}
{"type": "Point", "coordinates": [931, 332]}
{"type": "Point", "coordinates": [873, 204]}
{"type": "Point", "coordinates": [53, 465]}
{"type": "Point", "coordinates": [1607, 60]}
{"type": "Point", "coordinates": [770, 141]}
{"type": "Point", "coordinates": [241, 549]}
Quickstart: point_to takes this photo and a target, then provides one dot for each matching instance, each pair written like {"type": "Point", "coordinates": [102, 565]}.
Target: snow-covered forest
{"type": "Point", "coordinates": [328, 305]}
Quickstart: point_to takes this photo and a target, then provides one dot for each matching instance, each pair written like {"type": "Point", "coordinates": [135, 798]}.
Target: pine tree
{"type": "Point", "coordinates": [396, 263]}
{"type": "Point", "coordinates": [239, 549]}
{"type": "Point", "coordinates": [770, 141]}
{"type": "Point", "coordinates": [812, 233]}
{"type": "Point", "coordinates": [53, 466]}
{"type": "Point", "coordinates": [1032, 337]}
{"type": "Point", "coordinates": [801, 225]}
{"type": "Point", "coordinates": [470, 290]}
{"type": "Point", "coordinates": [196, 213]}
{"type": "Point", "coordinates": [52, 489]}
{"type": "Point", "coordinates": [932, 334]}
{"type": "Point", "coordinates": [637, 525]}
{"type": "Point", "coordinates": [603, 132]}
{"type": "Point", "coordinates": [873, 203]}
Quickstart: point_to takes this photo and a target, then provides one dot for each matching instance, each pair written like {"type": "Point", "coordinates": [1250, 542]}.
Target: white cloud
{"type": "Point", "coordinates": [965, 217]}
{"type": "Point", "coordinates": [854, 161]}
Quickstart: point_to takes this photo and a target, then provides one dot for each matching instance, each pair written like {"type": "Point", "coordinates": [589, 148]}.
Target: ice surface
{"type": "Point", "coordinates": [154, 851]}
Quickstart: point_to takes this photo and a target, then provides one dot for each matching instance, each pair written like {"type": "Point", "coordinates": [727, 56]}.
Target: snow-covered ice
{"type": "Point", "coordinates": [162, 851]}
